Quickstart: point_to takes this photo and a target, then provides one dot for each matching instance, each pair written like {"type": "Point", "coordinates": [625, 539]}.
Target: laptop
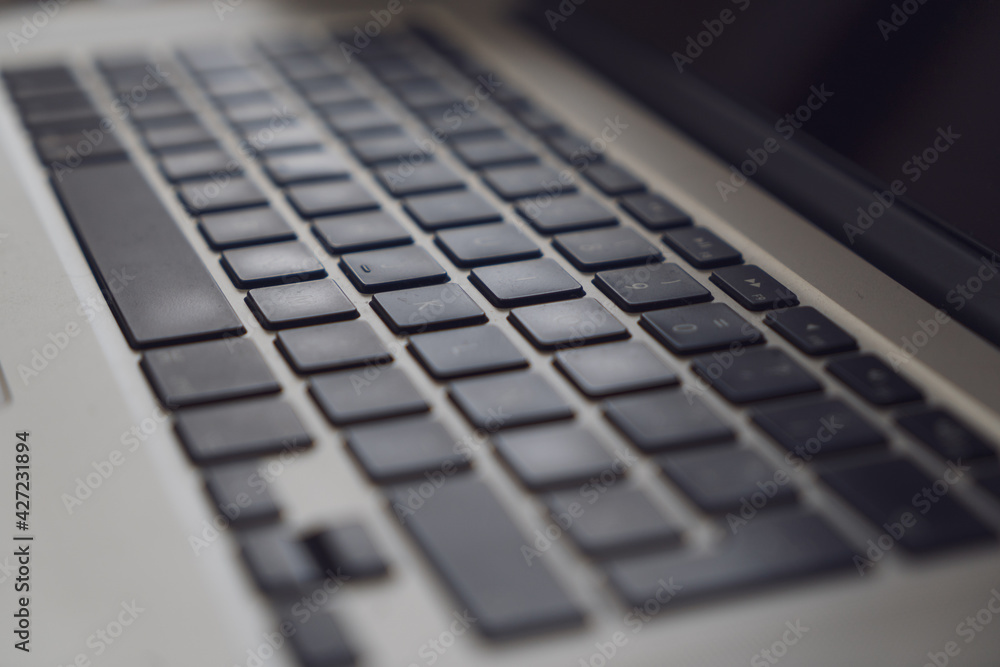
{"type": "Point", "coordinates": [510, 333]}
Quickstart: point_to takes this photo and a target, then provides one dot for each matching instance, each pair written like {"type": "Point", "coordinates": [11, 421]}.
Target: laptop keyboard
{"type": "Point", "coordinates": [602, 223]}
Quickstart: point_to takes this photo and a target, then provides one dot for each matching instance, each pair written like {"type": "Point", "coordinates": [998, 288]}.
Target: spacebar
{"type": "Point", "coordinates": [468, 536]}
{"type": "Point", "coordinates": [155, 283]}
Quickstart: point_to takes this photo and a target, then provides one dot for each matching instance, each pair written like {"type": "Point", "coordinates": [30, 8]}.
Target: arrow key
{"type": "Point", "coordinates": [810, 330]}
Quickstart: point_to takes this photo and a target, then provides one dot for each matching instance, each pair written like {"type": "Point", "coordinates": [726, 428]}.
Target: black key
{"type": "Point", "coordinates": [701, 248]}
{"type": "Point", "coordinates": [233, 81]}
{"type": "Point", "coordinates": [362, 122]}
{"type": "Point", "coordinates": [816, 427]}
{"type": "Point", "coordinates": [319, 641]}
{"type": "Point", "coordinates": [758, 374]}
{"type": "Point", "coordinates": [299, 304]}
{"type": "Point", "coordinates": [244, 227]}
{"type": "Point", "coordinates": [486, 244]}
{"type": "Point", "coordinates": [38, 80]}
{"type": "Point", "coordinates": [280, 564]}
{"type": "Point", "coordinates": [537, 120]}
{"type": "Point", "coordinates": [700, 328]}
{"type": "Point", "coordinates": [349, 551]}
{"type": "Point", "coordinates": [810, 331]}
{"type": "Point", "coordinates": [620, 520]}
{"type": "Point", "coordinates": [470, 351]}
{"type": "Point", "coordinates": [572, 149]}
{"type": "Point", "coordinates": [239, 494]}
{"type": "Point", "coordinates": [726, 479]}
{"type": "Point", "coordinates": [569, 324]}
{"type": "Point", "coordinates": [208, 196]}
{"type": "Point", "coordinates": [271, 264]}
{"type": "Point", "coordinates": [392, 269]}
{"type": "Point", "coordinates": [332, 346]}
{"type": "Point", "coordinates": [525, 283]}
{"type": "Point", "coordinates": [566, 213]}
{"type": "Point", "coordinates": [909, 506]}
{"type": "Point", "coordinates": [453, 209]}
{"type": "Point", "coordinates": [612, 179]}
{"type": "Point", "coordinates": [769, 549]}
{"type": "Point", "coordinates": [389, 148]}
{"type": "Point", "coordinates": [291, 137]}
{"type": "Point", "coordinates": [661, 285]}
{"type": "Point", "coordinates": [753, 288]}
{"type": "Point", "coordinates": [370, 230]}
{"type": "Point", "coordinates": [556, 455]}
{"type": "Point", "coordinates": [349, 397]}
{"type": "Point", "coordinates": [422, 178]}
{"type": "Point", "coordinates": [665, 419]}
{"type": "Point", "coordinates": [470, 539]}
{"type": "Point", "coordinates": [426, 93]}
{"type": "Point", "coordinates": [875, 382]}
{"type": "Point", "coordinates": [172, 137]}
{"type": "Point", "coordinates": [488, 151]}
{"type": "Point", "coordinates": [614, 369]}
{"type": "Point", "coordinates": [508, 400]}
{"type": "Point", "coordinates": [654, 211]}
{"type": "Point", "coordinates": [191, 165]}
{"type": "Point", "coordinates": [428, 308]}
{"type": "Point", "coordinates": [141, 259]}
{"type": "Point", "coordinates": [216, 370]}
{"type": "Point", "coordinates": [600, 249]}
{"type": "Point", "coordinates": [330, 198]}
{"type": "Point", "coordinates": [445, 125]}
{"type": "Point", "coordinates": [63, 147]}
{"type": "Point", "coordinates": [308, 166]}
{"type": "Point", "coordinates": [947, 436]}
{"type": "Point", "coordinates": [241, 429]}
{"type": "Point", "coordinates": [527, 181]}
{"type": "Point", "coordinates": [405, 448]}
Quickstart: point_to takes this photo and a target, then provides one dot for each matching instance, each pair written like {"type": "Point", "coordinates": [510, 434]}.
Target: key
{"type": "Point", "coordinates": [566, 213]}
{"type": "Point", "coordinates": [240, 430]}
{"type": "Point", "coordinates": [525, 283]}
{"type": "Point", "coordinates": [753, 288]}
{"type": "Point", "coordinates": [656, 285]}
{"type": "Point", "coordinates": [486, 244]}
{"type": "Point", "coordinates": [816, 427]}
{"type": "Point", "coordinates": [426, 93]}
{"type": "Point", "coordinates": [809, 330]}
{"type": "Point", "coordinates": [569, 324]}
{"type": "Point", "coordinates": [619, 521]}
{"type": "Point", "coordinates": [701, 248]}
{"type": "Point", "coordinates": [453, 209]}
{"type": "Point", "coordinates": [60, 148]}
{"type": "Point", "coordinates": [462, 352]}
{"type": "Point", "coordinates": [234, 81]}
{"type": "Point", "coordinates": [281, 565]}
{"type": "Point", "coordinates": [238, 493]}
{"type": "Point", "coordinates": [600, 249]}
{"type": "Point", "coordinates": [396, 70]}
{"type": "Point", "coordinates": [423, 178]}
{"type": "Point", "coordinates": [768, 550]}
{"type": "Point", "coordinates": [291, 137]}
{"type": "Point", "coordinates": [537, 120]}
{"type": "Point", "coordinates": [330, 92]}
{"type": "Point", "coordinates": [347, 550]}
{"type": "Point", "coordinates": [700, 328]}
{"type": "Point", "coordinates": [271, 264]}
{"type": "Point", "coordinates": [555, 455]}
{"type": "Point", "coordinates": [913, 509]}
{"type": "Point", "coordinates": [392, 269]}
{"type": "Point", "coordinates": [348, 397]}
{"type": "Point", "coordinates": [470, 539]}
{"type": "Point", "coordinates": [216, 56]}
{"type": "Point", "coordinates": [519, 182]}
{"type": "Point", "coordinates": [300, 304]}
{"type": "Point", "coordinates": [319, 641]}
{"type": "Point", "coordinates": [654, 211]}
{"type": "Point", "coordinates": [173, 137]}
{"type": "Point", "coordinates": [233, 229]}
{"type": "Point", "coordinates": [405, 449]}
{"type": "Point", "coordinates": [216, 370]}
{"type": "Point", "coordinates": [372, 150]}
{"type": "Point", "coordinates": [303, 167]}
{"type": "Point", "coordinates": [331, 347]}
{"type": "Point", "coordinates": [572, 148]}
{"type": "Point", "coordinates": [758, 374]}
{"type": "Point", "coordinates": [354, 232]}
{"type": "Point", "coordinates": [141, 259]}
{"type": "Point", "coordinates": [191, 165]}
{"type": "Point", "coordinates": [38, 80]}
{"type": "Point", "coordinates": [665, 419]}
{"type": "Point", "coordinates": [720, 479]}
{"type": "Point", "coordinates": [421, 309]}
{"type": "Point", "coordinates": [208, 196]}
{"type": "Point", "coordinates": [612, 179]}
{"type": "Point", "coordinates": [368, 122]}
{"type": "Point", "coordinates": [444, 125]}
{"type": "Point", "coordinates": [159, 103]}
{"type": "Point", "coordinates": [615, 368]}
{"type": "Point", "coordinates": [875, 382]}
{"type": "Point", "coordinates": [479, 152]}
{"type": "Point", "coordinates": [947, 436]}
{"type": "Point", "coordinates": [508, 400]}
{"type": "Point", "coordinates": [330, 198]}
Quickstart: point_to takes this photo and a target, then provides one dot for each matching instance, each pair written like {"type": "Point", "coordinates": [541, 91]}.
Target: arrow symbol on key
{"type": "Point", "coordinates": [753, 282]}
